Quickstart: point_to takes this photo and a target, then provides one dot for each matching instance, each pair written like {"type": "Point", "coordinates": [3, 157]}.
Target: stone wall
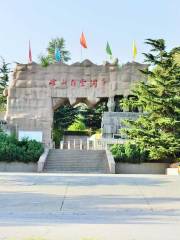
{"type": "Point", "coordinates": [143, 168]}
{"type": "Point", "coordinates": [112, 122]}
{"type": "Point", "coordinates": [18, 167]}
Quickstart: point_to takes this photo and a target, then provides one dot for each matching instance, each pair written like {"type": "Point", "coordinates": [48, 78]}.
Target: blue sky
{"type": "Point", "coordinates": [118, 21]}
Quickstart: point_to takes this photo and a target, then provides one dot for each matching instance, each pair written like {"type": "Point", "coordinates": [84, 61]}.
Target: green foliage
{"type": "Point", "coordinates": [158, 129]}
{"type": "Point", "coordinates": [92, 116]}
{"type": "Point", "coordinates": [24, 151]}
{"type": "Point", "coordinates": [177, 58]}
{"type": "Point", "coordinates": [50, 58]}
{"type": "Point", "coordinates": [78, 125]}
{"type": "Point", "coordinates": [63, 118]}
{"type": "Point", "coordinates": [79, 118]}
{"type": "Point", "coordinates": [4, 79]}
{"type": "Point", "coordinates": [128, 153]}
{"type": "Point", "coordinates": [45, 61]}
{"type": "Point", "coordinates": [57, 136]}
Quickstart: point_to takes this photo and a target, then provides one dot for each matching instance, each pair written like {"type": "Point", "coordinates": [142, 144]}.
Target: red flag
{"type": "Point", "coordinates": [30, 53]}
{"type": "Point", "coordinates": [83, 41]}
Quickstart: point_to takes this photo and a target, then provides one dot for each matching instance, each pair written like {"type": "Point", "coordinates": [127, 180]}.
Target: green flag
{"type": "Point", "coordinates": [108, 49]}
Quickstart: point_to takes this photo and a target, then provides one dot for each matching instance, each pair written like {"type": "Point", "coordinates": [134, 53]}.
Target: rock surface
{"type": "Point", "coordinates": [35, 92]}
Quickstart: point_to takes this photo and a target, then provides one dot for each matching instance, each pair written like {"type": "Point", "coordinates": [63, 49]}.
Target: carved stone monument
{"type": "Point", "coordinates": [35, 92]}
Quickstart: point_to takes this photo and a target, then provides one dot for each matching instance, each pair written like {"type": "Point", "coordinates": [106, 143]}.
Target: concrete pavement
{"type": "Point", "coordinates": [76, 206]}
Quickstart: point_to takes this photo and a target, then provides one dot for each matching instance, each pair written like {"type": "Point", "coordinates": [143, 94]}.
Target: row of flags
{"type": "Point", "coordinates": [108, 48]}
{"type": "Point", "coordinates": [83, 42]}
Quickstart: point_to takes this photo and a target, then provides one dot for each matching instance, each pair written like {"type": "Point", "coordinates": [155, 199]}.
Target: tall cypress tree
{"type": "Point", "coordinates": [158, 129]}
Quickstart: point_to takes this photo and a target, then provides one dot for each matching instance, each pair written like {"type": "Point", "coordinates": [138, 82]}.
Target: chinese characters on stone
{"type": "Point", "coordinates": [74, 83]}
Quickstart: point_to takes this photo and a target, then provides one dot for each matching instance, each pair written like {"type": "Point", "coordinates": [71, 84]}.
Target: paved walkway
{"type": "Point", "coordinates": [57, 207]}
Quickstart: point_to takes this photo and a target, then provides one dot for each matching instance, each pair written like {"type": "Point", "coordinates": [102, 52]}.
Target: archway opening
{"type": "Point", "coordinates": [80, 118]}
{"type": "Point", "coordinates": [132, 108]}
{"type": "Point", "coordinates": [118, 107]}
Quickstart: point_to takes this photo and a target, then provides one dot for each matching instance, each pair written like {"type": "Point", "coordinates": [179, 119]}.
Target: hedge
{"type": "Point", "coordinates": [23, 151]}
{"type": "Point", "coordinates": [129, 153]}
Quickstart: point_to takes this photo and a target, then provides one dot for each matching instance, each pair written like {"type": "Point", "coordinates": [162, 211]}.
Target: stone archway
{"type": "Point", "coordinates": [32, 99]}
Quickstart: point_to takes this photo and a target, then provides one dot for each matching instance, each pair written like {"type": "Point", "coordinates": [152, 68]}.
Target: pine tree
{"type": "Point", "coordinates": [63, 118]}
{"type": "Point", "coordinates": [157, 130]}
{"type": "Point", "coordinates": [4, 79]}
{"type": "Point", "coordinates": [92, 117]}
{"type": "Point", "coordinates": [50, 58]}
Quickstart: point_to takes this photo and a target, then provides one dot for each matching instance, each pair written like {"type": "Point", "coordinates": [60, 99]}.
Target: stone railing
{"type": "Point", "coordinates": [101, 144]}
{"type": "Point", "coordinates": [111, 161]}
{"type": "Point", "coordinates": [42, 160]}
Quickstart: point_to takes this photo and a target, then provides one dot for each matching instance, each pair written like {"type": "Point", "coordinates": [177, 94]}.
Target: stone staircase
{"type": "Point", "coordinates": [77, 161]}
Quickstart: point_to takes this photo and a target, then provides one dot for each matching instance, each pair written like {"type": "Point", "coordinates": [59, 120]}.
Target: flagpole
{"type": "Point", "coordinates": [83, 43]}
{"type": "Point", "coordinates": [134, 50]}
{"type": "Point", "coordinates": [81, 53]}
{"type": "Point", "coordinates": [81, 47]}
{"type": "Point", "coordinates": [29, 53]}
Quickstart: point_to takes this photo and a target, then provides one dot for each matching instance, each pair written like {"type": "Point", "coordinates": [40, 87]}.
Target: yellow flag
{"type": "Point", "coordinates": [134, 50]}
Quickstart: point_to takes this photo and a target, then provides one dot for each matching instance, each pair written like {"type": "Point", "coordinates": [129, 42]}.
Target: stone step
{"type": "Point", "coordinates": [76, 163]}
{"type": "Point", "coordinates": [85, 161]}
{"type": "Point", "coordinates": [75, 171]}
{"type": "Point", "coordinates": [75, 168]}
{"type": "Point", "coordinates": [85, 158]}
{"type": "Point", "coordinates": [64, 171]}
{"type": "Point", "coordinates": [71, 158]}
{"type": "Point", "coordinates": [76, 151]}
{"type": "Point", "coordinates": [76, 157]}
{"type": "Point", "coordinates": [71, 168]}
{"type": "Point", "coordinates": [76, 154]}
{"type": "Point", "coordinates": [83, 152]}
{"type": "Point", "coordinates": [81, 159]}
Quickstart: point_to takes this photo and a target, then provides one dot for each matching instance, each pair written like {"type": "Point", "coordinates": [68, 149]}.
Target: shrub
{"type": "Point", "coordinates": [77, 126]}
{"type": "Point", "coordinates": [24, 151]}
{"type": "Point", "coordinates": [128, 153]}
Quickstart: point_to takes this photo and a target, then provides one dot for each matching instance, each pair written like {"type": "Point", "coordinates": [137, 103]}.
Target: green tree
{"type": "Point", "coordinates": [4, 79]}
{"type": "Point", "coordinates": [177, 58]}
{"type": "Point", "coordinates": [92, 117]}
{"type": "Point", "coordinates": [78, 125]}
{"type": "Point", "coordinates": [63, 118]}
{"type": "Point", "coordinates": [50, 58]}
{"type": "Point", "coordinates": [79, 118]}
{"type": "Point", "coordinates": [158, 129]}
